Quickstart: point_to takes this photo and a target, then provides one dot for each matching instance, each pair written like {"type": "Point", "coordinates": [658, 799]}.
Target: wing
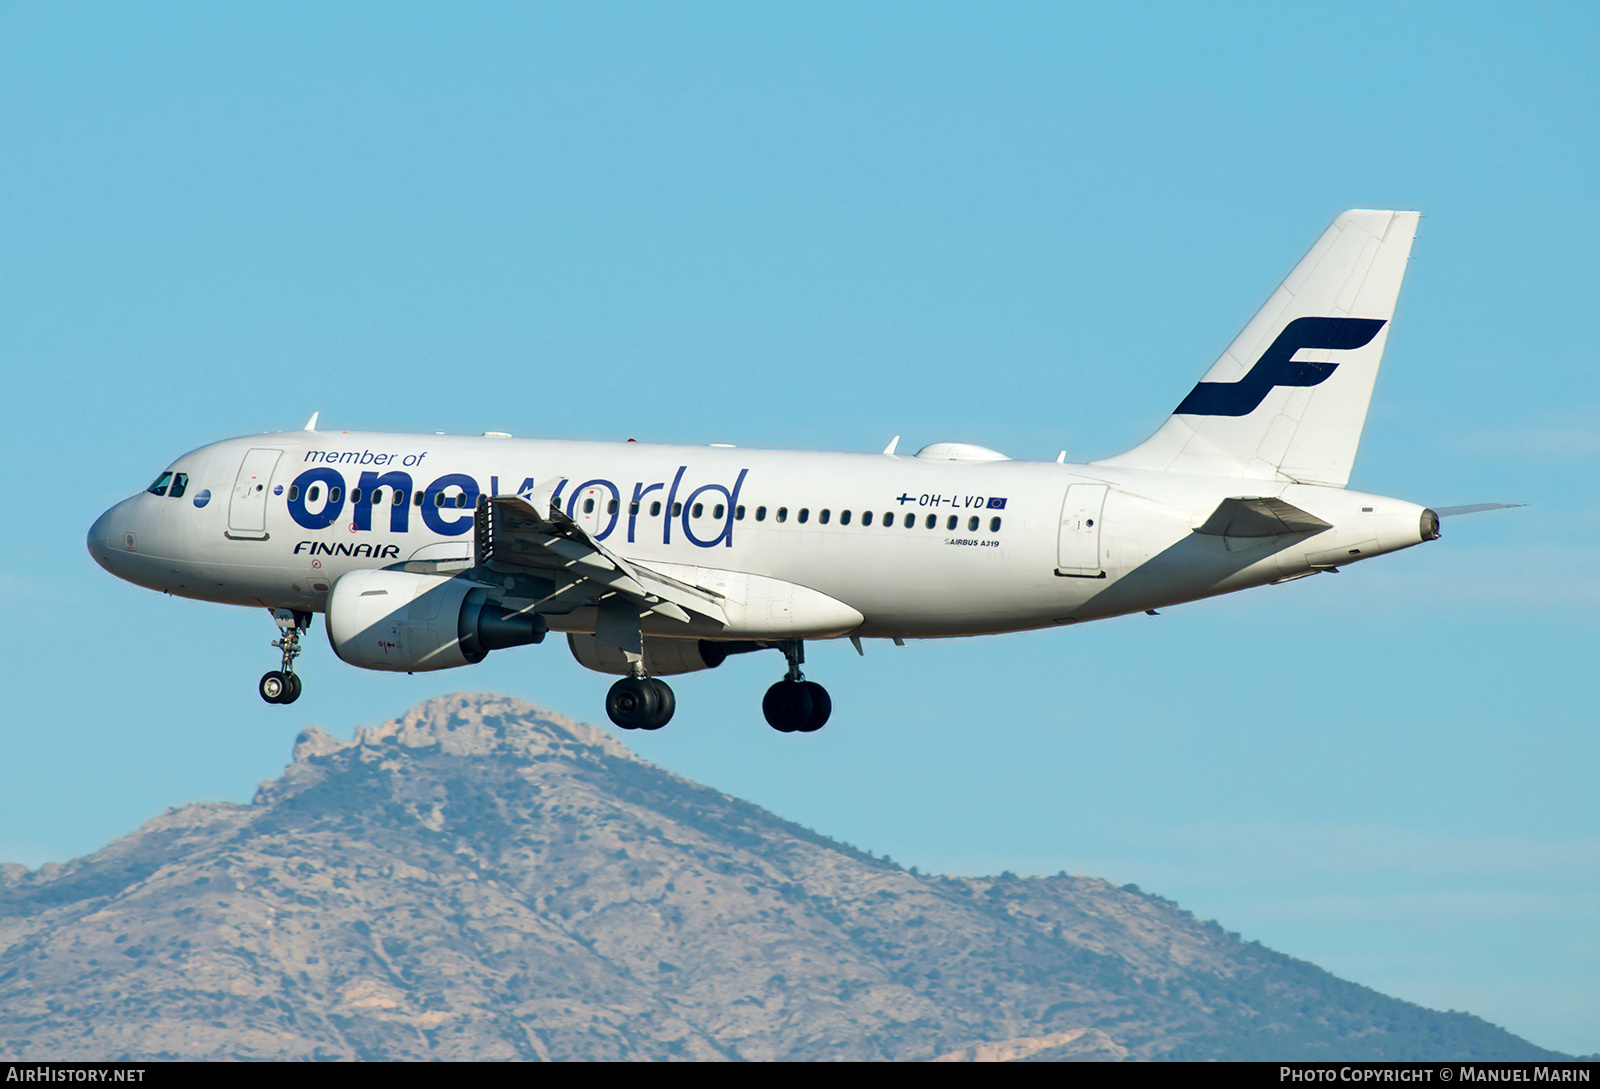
{"type": "Point", "coordinates": [513, 536]}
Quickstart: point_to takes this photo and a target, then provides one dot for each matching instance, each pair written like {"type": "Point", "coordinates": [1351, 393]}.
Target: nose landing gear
{"type": "Point", "coordinates": [283, 686]}
{"type": "Point", "coordinates": [794, 704]}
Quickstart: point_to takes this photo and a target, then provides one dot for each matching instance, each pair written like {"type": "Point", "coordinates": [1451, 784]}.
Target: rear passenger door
{"type": "Point", "coordinates": [1078, 539]}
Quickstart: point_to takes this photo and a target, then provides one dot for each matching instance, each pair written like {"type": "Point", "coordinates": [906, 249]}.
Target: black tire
{"type": "Point", "coordinates": [293, 692]}
{"type": "Point", "coordinates": [787, 706]}
{"type": "Point", "coordinates": [632, 703]}
{"type": "Point", "coordinates": [821, 707]}
{"type": "Point", "coordinates": [666, 704]}
{"type": "Point", "coordinates": [273, 687]}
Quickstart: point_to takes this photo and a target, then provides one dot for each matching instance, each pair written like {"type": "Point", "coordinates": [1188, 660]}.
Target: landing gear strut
{"type": "Point", "coordinates": [283, 686]}
{"type": "Point", "coordinates": [640, 703]}
{"type": "Point", "coordinates": [794, 704]}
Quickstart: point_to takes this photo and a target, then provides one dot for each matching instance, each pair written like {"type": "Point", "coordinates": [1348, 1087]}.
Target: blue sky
{"type": "Point", "coordinates": [814, 226]}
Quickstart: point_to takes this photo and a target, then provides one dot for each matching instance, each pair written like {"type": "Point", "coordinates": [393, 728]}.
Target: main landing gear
{"type": "Point", "coordinates": [283, 685]}
{"type": "Point", "coordinates": [794, 704]}
{"type": "Point", "coordinates": [640, 703]}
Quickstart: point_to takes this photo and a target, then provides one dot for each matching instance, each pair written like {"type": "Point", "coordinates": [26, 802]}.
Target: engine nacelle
{"type": "Point", "coordinates": [410, 623]}
{"type": "Point", "coordinates": [663, 657]}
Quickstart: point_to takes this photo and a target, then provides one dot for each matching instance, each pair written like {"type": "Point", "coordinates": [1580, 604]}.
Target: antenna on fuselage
{"type": "Point", "coordinates": [311, 424]}
{"type": "Point", "coordinates": [892, 444]}
{"type": "Point", "coordinates": [1061, 458]}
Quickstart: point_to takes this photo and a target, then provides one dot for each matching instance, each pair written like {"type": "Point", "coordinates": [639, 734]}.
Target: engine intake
{"type": "Point", "coordinates": [410, 623]}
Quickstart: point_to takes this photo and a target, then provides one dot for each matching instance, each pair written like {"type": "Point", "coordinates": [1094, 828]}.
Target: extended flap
{"type": "Point", "coordinates": [513, 535]}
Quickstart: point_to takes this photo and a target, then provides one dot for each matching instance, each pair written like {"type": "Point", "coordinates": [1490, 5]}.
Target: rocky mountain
{"type": "Point", "coordinates": [485, 880]}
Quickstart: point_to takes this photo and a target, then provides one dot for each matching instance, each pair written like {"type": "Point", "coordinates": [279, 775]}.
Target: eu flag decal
{"type": "Point", "coordinates": [997, 504]}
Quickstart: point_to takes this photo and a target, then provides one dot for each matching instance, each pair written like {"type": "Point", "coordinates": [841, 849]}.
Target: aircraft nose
{"type": "Point", "coordinates": [100, 539]}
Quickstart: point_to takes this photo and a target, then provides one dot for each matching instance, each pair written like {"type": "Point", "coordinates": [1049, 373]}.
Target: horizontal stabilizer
{"type": "Point", "coordinates": [1449, 512]}
{"type": "Point", "coordinates": [1259, 517]}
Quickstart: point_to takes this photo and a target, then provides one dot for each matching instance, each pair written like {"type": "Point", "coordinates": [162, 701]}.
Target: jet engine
{"type": "Point", "coordinates": [409, 623]}
{"type": "Point", "coordinates": [662, 657]}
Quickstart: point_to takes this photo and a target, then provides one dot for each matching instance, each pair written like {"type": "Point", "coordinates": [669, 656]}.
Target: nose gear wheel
{"type": "Point", "coordinates": [283, 685]}
{"type": "Point", "coordinates": [279, 687]}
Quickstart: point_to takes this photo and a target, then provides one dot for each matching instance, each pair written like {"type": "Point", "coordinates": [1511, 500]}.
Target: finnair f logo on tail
{"type": "Point", "coordinates": [1278, 367]}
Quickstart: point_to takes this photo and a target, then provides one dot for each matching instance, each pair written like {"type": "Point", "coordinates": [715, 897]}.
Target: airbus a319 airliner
{"type": "Point", "coordinates": [428, 552]}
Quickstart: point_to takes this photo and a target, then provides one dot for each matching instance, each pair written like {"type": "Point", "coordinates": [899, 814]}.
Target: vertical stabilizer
{"type": "Point", "coordinates": [1288, 399]}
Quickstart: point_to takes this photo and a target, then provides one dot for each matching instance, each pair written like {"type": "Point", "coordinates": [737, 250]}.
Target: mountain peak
{"type": "Point", "coordinates": [471, 724]}
{"type": "Point", "coordinates": [482, 879]}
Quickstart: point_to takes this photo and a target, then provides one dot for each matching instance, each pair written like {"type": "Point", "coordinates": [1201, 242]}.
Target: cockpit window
{"type": "Point", "coordinates": [180, 484]}
{"type": "Point", "coordinates": [160, 486]}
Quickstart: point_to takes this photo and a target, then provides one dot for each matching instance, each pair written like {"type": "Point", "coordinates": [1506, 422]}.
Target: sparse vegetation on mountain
{"type": "Point", "coordinates": [482, 879]}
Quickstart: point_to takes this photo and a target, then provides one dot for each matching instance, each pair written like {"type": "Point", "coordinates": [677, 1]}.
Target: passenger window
{"type": "Point", "coordinates": [866, 517]}
{"type": "Point", "coordinates": [180, 484]}
{"type": "Point", "coordinates": [160, 486]}
{"type": "Point", "coordinates": [911, 521]}
{"type": "Point", "coordinates": [377, 497]}
{"type": "Point", "coordinates": [761, 514]}
{"type": "Point", "coordinates": [932, 522]}
{"type": "Point", "coordinates": [355, 495]}
{"type": "Point", "coordinates": [588, 506]}
{"type": "Point", "coordinates": [951, 524]}
{"type": "Point", "coordinates": [461, 500]}
{"type": "Point", "coordinates": [334, 494]}
{"type": "Point", "coordinates": [633, 508]}
{"type": "Point", "coordinates": [417, 498]}
{"type": "Point", "coordinates": [611, 507]}
{"type": "Point", "coordinates": [972, 524]}
{"type": "Point", "coordinates": [994, 525]}
{"type": "Point", "coordinates": [313, 494]}
{"type": "Point", "coordinates": [438, 499]}
{"type": "Point", "coordinates": [738, 514]}
{"type": "Point", "coordinates": [399, 498]}
{"type": "Point", "coordinates": [294, 492]}
{"type": "Point", "coordinates": [844, 518]}
{"type": "Point", "coordinates": [805, 515]}
{"type": "Point", "coordinates": [783, 514]}
{"type": "Point", "coordinates": [717, 511]}
{"type": "Point", "coordinates": [677, 510]}
{"type": "Point", "coordinates": [823, 517]}
{"type": "Point", "coordinates": [697, 510]}
{"type": "Point", "coordinates": [655, 510]}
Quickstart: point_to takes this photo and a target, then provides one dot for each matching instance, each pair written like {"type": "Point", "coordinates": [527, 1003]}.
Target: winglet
{"type": "Point", "coordinates": [311, 424]}
{"type": "Point", "coordinates": [892, 444]}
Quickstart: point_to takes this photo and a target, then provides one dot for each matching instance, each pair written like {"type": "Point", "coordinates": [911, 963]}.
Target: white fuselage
{"type": "Point", "coordinates": [993, 545]}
